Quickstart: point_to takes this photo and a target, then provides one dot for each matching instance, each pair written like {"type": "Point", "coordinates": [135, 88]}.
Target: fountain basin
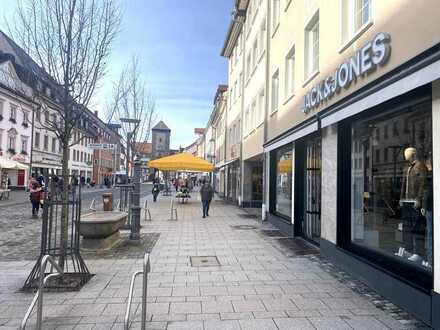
{"type": "Point", "coordinates": [101, 224]}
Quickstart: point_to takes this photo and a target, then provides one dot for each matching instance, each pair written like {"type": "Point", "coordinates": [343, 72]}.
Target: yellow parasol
{"type": "Point", "coordinates": [285, 165]}
{"type": "Point", "coordinates": [182, 162]}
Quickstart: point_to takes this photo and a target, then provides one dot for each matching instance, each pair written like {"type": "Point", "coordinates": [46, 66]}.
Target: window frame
{"type": "Point", "coordinates": [289, 83]}
{"type": "Point", "coordinates": [275, 77]}
{"type": "Point", "coordinates": [310, 56]}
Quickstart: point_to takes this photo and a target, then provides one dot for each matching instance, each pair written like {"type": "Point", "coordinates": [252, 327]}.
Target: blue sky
{"type": "Point", "coordinates": [179, 44]}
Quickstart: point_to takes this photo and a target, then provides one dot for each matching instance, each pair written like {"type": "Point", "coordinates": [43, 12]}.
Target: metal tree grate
{"type": "Point", "coordinates": [76, 273]}
{"type": "Point", "coordinates": [243, 227]}
{"type": "Point", "coordinates": [205, 261]}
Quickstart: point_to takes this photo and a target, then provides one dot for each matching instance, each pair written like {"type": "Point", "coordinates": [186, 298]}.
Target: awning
{"type": "Point", "coordinates": [12, 165]}
{"type": "Point", "coordinates": [182, 162]}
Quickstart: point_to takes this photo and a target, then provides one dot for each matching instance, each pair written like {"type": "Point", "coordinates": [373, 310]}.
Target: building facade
{"type": "Point", "coordinates": [16, 110]}
{"type": "Point", "coordinates": [337, 109]}
{"type": "Point", "coordinates": [30, 99]}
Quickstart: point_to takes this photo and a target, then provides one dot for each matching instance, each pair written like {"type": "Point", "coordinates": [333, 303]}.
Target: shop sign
{"type": "Point", "coordinates": [372, 55]}
{"type": "Point", "coordinates": [102, 146]}
{"type": "Point", "coordinates": [19, 158]}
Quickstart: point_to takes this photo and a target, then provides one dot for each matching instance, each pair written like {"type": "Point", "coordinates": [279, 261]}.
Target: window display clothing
{"type": "Point", "coordinates": [412, 196]}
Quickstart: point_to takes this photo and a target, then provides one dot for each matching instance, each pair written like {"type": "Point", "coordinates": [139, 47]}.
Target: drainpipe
{"type": "Point", "coordinates": [266, 160]}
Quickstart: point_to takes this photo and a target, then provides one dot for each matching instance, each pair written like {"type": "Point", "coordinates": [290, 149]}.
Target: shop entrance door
{"type": "Point", "coordinates": [20, 178]}
{"type": "Point", "coordinates": [312, 196]}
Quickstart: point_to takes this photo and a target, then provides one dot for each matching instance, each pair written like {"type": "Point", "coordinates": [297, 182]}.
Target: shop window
{"type": "Point", "coordinates": [392, 200]}
{"type": "Point", "coordinates": [283, 191]}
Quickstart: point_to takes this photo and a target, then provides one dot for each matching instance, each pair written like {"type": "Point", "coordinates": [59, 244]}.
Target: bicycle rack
{"type": "Point", "coordinates": [147, 213]}
{"type": "Point", "coordinates": [173, 210]}
{"type": "Point", "coordinates": [38, 297]}
{"type": "Point", "coordinates": [144, 271]}
{"type": "Point", "coordinates": [92, 206]}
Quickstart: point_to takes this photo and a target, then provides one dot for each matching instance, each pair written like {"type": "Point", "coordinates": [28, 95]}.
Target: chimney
{"type": "Point", "coordinates": [96, 113]}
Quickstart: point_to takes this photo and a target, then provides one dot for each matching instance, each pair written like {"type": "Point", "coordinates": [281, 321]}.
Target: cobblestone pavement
{"type": "Point", "coordinates": [20, 234]}
{"type": "Point", "coordinates": [262, 282]}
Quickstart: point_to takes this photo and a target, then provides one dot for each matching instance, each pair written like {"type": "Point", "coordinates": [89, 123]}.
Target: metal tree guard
{"type": "Point", "coordinates": [74, 265]}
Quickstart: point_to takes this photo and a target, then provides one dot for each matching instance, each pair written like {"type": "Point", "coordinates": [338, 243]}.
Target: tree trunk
{"type": "Point", "coordinates": [65, 203]}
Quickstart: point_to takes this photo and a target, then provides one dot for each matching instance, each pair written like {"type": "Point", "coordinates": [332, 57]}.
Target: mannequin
{"type": "Point", "coordinates": [411, 201]}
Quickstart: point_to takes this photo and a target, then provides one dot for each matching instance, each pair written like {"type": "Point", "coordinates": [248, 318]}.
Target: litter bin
{"type": "Point", "coordinates": [107, 201]}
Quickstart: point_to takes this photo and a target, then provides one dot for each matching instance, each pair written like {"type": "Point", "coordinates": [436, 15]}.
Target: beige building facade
{"type": "Point", "coordinates": [336, 105]}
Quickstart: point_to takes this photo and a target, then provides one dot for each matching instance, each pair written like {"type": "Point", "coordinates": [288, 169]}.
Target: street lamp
{"type": "Point", "coordinates": [131, 125]}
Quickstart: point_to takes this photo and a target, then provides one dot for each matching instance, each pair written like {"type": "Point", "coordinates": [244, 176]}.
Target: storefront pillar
{"type": "Point", "coordinates": [329, 183]}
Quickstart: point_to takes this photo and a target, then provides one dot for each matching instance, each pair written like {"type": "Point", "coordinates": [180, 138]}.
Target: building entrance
{"type": "Point", "coordinates": [312, 195]}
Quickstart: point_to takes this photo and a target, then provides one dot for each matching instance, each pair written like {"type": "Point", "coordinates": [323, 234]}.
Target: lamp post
{"type": "Point", "coordinates": [135, 223]}
{"type": "Point", "coordinates": [136, 208]}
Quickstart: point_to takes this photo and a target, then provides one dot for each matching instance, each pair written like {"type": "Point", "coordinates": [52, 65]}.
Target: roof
{"type": "Point", "coordinates": [144, 148]}
{"type": "Point", "coordinates": [8, 46]}
{"type": "Point", "coordinates": [235, 27]}
{"type": "Point", "coordinates": [160, 126]}
{"type": "Point", "coordinates": [199, 131]}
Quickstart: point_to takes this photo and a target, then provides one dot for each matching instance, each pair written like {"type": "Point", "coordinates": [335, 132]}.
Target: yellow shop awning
{"type": "Point", "coordinates": [182, 162]}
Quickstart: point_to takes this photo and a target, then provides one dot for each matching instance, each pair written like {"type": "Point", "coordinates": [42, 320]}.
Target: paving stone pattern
{"type": "Point", "coordinates": [261, 283]}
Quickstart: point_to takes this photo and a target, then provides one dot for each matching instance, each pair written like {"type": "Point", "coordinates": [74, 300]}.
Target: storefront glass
{"type": "Point", "coordinates": [284, 169]}
{"type": "Point", "coordinates": [391, 194]}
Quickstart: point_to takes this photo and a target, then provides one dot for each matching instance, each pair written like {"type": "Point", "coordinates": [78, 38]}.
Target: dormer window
{"type": "Point", "coordinates": [47, 91]}
{"type": "Point", "coordinates": [46, 117]}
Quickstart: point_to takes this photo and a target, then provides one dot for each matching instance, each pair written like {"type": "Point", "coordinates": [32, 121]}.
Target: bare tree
{"type": "Point", "coordinates": [70, 40]}
{"type": "Point", "coordinates": [132, 100]}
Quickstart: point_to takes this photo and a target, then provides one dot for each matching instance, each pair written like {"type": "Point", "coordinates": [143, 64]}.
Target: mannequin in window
{"type": "Point", "coordinates": [411, 200]}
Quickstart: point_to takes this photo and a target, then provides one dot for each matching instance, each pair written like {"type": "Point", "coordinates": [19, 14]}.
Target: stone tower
{"type": "Point", "coordinates": [161, 140]}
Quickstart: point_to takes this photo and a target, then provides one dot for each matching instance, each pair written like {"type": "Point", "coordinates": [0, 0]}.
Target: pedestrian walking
{"type": "Point", "coordinates": [155, 190]}
{"type": "Point", "coordinates": [206, 194]}
{"type": "Point", "coordinates": [34, 195]}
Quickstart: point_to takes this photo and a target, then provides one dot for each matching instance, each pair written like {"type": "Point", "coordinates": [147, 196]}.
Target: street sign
{"type": "Point", "coordinates": [103, 146]}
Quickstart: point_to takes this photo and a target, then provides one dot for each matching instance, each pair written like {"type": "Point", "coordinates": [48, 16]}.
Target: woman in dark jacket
{"type": "Point", "coordinates": [206, 194]}
{"type": "Point", "coordinates": [155, 190]}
